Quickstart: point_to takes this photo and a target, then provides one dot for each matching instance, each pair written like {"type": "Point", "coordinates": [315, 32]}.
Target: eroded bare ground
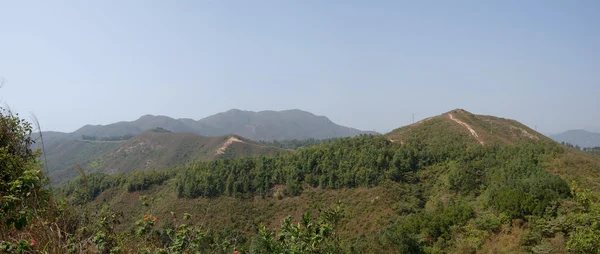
{"type": "Point", "coordinates": [227, 143]}
{"type": "Point", "coordinates": [473, 132]}
{"type": "Point", "coordinates": [525, 133]}
{"type": "Point", "coordinates": [391, 140]}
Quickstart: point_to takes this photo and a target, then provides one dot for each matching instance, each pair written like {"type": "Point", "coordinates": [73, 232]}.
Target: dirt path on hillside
{"type": "Point", "coordinates": [525, 133]}
{"type": "Point", "coordinates": [391, 140]}
{"type": "Point", "coordinates": [473, 133]}
{"type": "Point", "coordinates": [227, 143]}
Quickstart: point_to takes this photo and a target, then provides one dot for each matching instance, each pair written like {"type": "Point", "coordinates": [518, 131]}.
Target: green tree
{"type": "Point", "coordinates": [21, 178]}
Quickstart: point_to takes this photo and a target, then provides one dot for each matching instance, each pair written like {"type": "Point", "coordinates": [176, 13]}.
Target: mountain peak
{"type": "Point", "coordinates": [297, 111]}
{"type": "Point", "coordinates": [479, 129]}
{"type": "Point", "coordinates": [235, 111]}
{"type": "Point", "coordinates": [581, 138]}
{"type": "Point", "coordinates": [262, 125]}
{"type": "Point", "coordinates": [458, 111]}
{"type": "Point", "coordinates": [273, 125]}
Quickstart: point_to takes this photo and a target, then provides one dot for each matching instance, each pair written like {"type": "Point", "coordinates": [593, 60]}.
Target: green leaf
{"type": "Point", "coordinates": [10, 221]}
{"type": "Point", "coordinates": [21, 223]}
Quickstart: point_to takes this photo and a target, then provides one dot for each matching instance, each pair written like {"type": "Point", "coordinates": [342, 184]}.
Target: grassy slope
{"type": "Point", "coordinates": [491, 130]}
{"type": "Point", "coordinates": [63, 155]}
{"type": "Point", "coordinates": [572, 165]}
{"type": "Point", "coordinates": [364, 204]}
{"type": "Point", "coordinates": [161, 150]}
{"type": "Point", "coordinates": [158, 150]}
{"type": "Point", "coordinates": [579, 166]}
{"type": "Point", "coordinates": [367, 210]}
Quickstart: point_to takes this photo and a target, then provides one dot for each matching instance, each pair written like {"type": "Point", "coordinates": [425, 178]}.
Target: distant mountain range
{"type": "Point", "coordinates": [161, 142]}
{"type": "Point", "coordinates": [581, 138]}
{"type": "Point", "coordinates": [264, 125]}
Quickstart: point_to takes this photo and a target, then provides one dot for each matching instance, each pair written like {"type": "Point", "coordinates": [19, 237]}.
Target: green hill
{"type": "Point", "coordinates": [450, 131]}
{"type": "Point", "coordinates": [150, 150]}
{"type": "Point", "coordinates": [485, 130]}
{"type": "Point", "coordinates": [161, 150]}
{"type": "Point", "coordinates": [63, 156]}
{"type": "Point", "coordinates": [457, 183]}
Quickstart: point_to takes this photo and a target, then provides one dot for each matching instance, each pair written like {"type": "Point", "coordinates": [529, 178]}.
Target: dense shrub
{"type": "Point", "coordinates": [415, 231]}
{"type": "Point", "coordinates": [87, 187]}
{"type": "Point", "coordinates": [520, 186]}
{"type": "Point", "coordinates": [295, 143]}
{"type": "Point", "coordinates": [22, 193]}
{"type": "Point", "coordinates": [142, 180]}
{"type": "Point", "coordinates": [349, 162]}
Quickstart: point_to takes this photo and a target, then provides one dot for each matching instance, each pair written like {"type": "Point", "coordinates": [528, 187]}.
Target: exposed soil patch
{"type": "Point", "coordinates": [473, 132]}
{"type": "Point", "coordinates": [230, 141]}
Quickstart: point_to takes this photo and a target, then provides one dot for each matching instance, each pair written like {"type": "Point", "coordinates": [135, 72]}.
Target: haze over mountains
{"type": "Point", "coordinates": [263, 125]}
{"type": "Point", "coordinates": [139, 145]}
{"type": "Point", "coordinates": [581, 138]}
{"type": "Point", "coordinates": [160, 142]}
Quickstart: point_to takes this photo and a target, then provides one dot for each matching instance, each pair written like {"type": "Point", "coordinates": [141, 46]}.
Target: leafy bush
{"type": "Point", "coordinates": [427, 227]}
{"type": "Point", "coordinates": [526, 190]}
{"type": "Point", "coordinates": [21, 178]}
{"type": "Point", "coordinates": [305, 237]}
{"type": "Point", "coordinates": [87, 187]}
{"type": "Point", "coordinates": [142, 180]}
{"type": "Point", "coordinates": [490, 222]}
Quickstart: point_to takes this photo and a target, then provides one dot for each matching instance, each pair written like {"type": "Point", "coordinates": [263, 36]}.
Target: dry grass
{"type": "Point", "coordinates": [53, 230]}
{"type": "Point", "coordinates": [488, 129]}
{"type": "Point", "coordinates": [366, 209]}
{"type": "Point", "coordinates": [162, 150]}
{"type": "Point", "coordinates": [577, 166]}
{"type": "Point", "coordinates": [507, 241]}
{"type": "Point", "coordinates": [85, 181]}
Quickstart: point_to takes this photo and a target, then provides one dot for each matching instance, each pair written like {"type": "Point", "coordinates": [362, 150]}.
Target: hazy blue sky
{"type": "Point", "coordinates": [364, 64]}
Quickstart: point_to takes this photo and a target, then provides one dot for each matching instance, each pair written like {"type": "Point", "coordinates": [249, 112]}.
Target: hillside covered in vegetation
{"type": "Point", "coordinates": [455, 183]}
{"type": "Point", "coordinates": [93, 146]}
{"type": "Point", "coordinates": [154, 149]}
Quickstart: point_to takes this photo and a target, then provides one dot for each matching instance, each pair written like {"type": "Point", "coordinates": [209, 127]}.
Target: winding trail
{"type": "Point", "coordinates": [525, 133]}
{"type": "Point", "coordinates": [227, 143]}
{"type": "Point", "coordinates": [473, 133]}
